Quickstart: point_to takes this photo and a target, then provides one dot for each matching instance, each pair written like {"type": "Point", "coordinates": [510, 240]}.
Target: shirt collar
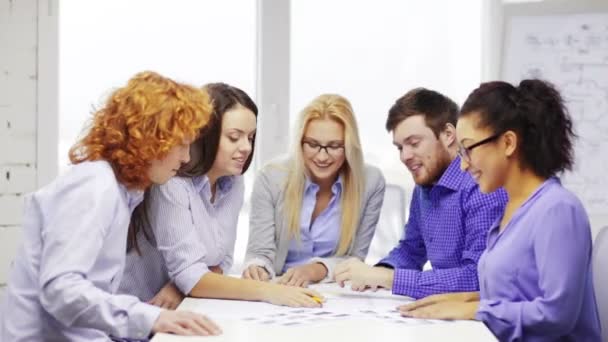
{"type": "Point", "coordinates": [547, 183]}
{"type": "Point", "coordinates": [134, 197]}
{"type": "Point", "coordinates": [224, 184]}
{"type": "Point", "coordinates": [335, 188]}
{"type": "Point", "coordinates": [452, 176]}
{"type": "Point", "coordinates": [531, 199]}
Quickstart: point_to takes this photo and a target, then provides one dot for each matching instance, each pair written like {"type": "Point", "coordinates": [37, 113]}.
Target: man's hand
{"type": "Point", "coordinates": [362, 276]}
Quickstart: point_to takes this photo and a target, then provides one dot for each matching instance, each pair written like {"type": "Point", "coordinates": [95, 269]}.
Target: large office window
{"type": "Point", "coordinates": [104, 42]}
{"type": "Point", "coordinates": [372, 52]}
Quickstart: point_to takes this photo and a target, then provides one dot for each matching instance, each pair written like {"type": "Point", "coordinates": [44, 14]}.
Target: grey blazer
{"type": "Point", "coordinates": [268, 232]}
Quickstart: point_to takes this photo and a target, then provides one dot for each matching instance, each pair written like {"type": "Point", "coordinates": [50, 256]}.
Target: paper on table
{"type": "Point", "coordinates": [298, 317]}
{"type": "Point", "coordinates": [332, 290]}
{"type": "Point", "coordinates": [341, 303]}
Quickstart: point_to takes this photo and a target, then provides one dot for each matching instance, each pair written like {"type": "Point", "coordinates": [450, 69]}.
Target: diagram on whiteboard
{"type": "Point", "coordinates": [570, 51]}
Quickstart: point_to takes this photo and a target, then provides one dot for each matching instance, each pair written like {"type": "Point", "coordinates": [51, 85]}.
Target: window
{"type": "Point", "coordinates": [105, 42]}
{"type": "Point", "coordinates": [399, 46]}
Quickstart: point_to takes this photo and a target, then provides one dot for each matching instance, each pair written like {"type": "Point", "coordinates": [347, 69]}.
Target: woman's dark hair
{"type": "Point", "coordinates": [535, 111]}
{"type": "Point", "coordinates": [203, 150]}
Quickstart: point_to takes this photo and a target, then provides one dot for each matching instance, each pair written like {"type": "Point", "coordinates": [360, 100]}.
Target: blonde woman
{"type": "Point", "coordinates": [318, 206]}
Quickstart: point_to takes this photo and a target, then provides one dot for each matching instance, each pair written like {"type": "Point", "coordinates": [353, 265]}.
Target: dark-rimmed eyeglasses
{"type": "Point", "coordinates": [313, 147]}
{"type": "Point", "coordinates": [465, 152]}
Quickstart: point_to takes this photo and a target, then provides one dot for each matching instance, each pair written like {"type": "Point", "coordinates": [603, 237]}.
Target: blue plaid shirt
{"type": "Point", "coordinates": [447, 225]}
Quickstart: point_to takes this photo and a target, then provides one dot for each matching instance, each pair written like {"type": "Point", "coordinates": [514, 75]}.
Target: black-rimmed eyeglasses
{"type": "Point", "coordinates": [312, 148]}
{"type": "Point", "coordinates": [465, 152]}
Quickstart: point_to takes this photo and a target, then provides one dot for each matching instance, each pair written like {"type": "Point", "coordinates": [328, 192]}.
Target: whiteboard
{"type": "Point", "coordinates": [571, 51]}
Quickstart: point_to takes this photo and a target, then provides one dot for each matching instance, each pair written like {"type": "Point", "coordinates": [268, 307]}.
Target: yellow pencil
{"type": "Point", "coordinates": [317, 299]}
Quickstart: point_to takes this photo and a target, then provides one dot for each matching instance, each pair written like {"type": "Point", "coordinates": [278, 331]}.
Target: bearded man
{"type": "Point", "coordinates": [449, 217]}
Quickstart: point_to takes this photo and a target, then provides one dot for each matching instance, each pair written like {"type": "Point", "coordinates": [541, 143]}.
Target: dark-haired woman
{"type": "Point", "coordinates": [63, 280]}
{"type": "Point", "coordinates": [534, 276]}
{"type": "Point", "coordinates": [183, 234]}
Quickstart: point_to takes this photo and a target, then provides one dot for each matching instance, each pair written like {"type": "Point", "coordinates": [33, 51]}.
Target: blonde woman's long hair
{"type": "Point", "coordinates": [338, 109]}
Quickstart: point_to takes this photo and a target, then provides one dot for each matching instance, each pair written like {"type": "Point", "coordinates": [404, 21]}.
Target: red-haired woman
{"type": "Point", "coordinates": [64, 278]}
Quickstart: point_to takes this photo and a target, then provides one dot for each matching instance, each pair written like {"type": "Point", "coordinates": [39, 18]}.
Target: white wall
{"type": "Point", "coordinates": [28, 114]}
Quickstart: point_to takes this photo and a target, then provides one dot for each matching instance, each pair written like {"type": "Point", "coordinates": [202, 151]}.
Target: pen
{"type": "Point", "coordinates": [317, 299]}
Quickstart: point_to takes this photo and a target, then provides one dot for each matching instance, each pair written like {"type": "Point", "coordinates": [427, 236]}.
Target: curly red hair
{"type": "Point", "coordinates": [141, 122]}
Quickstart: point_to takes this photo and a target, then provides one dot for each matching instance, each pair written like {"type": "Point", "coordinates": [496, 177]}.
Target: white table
{"type": "Point", "coordinates": [243, 321]}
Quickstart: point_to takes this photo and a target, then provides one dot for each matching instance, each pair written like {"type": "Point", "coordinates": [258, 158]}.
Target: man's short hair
{"type": "Point", "coordinates": [437, 109]}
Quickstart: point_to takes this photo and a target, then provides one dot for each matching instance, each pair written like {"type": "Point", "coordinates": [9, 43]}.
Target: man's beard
{"type": "Point", "coordinates": [436, 170]}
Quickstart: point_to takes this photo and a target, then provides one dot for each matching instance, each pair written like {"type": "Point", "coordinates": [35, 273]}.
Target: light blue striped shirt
{"type": "Point", "coordinates": [62, 282]}
{"type": "Point", "coordinates": [188, 234]}
{"type": "Point", "coordinates": [320, 238]}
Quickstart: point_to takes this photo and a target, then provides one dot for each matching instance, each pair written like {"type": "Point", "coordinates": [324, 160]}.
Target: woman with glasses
{"type": "Point", "coordinates": [534, 275]}
{"type": "Point", "coordinates": [182, 236]}
{"type": "Point", "coordinates": [318, 206]}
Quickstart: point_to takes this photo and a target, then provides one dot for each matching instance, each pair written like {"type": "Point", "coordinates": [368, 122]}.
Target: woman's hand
{"type": "Point", "coordinates": [216, 269]}
{"type": "Point", "coordinates": [296, 297]}
{"type": "Point", "coordinates": [256, 273]}
{"type": "Point", "coordinates": [169, 297]}
{"type": "Point", "coordinates": [439, 298]}
{"type": "Point", "coordinates": [303, 275]}
{"type": "Point", "coordinates": [185, 323]}
{"type": "Point", "coordinates": [444, 310]}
